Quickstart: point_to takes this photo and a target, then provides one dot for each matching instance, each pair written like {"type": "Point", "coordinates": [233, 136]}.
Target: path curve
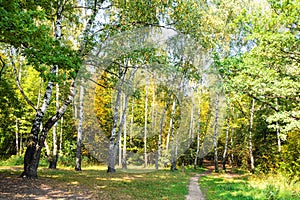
{"type": "Point", "coordinates": [195, 192]}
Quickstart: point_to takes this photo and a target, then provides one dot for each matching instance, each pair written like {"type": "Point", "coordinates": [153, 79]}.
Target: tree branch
{"type": "Point", "coordinates": [61, 111]}
{"type": "Point", "coordinates": [97, 83]}
{"type": "Point", "coordinates": [18, 81]}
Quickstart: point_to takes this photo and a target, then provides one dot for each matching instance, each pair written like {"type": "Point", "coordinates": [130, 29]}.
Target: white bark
{"type": "Point", "coordinates": [79, 130]}
{"type": "Point", "coordinates": [173, 158]}
{"type": "Point", "coordinates": [191, 132]}
{"type": "Point", "coordinates": [198, 134]}
{"type": "Point", "coordinates": [278, 131]}
{"type": "Point", "coordinates": [61, 135]}
{"type": "Point", "coordinates": [17, 137]}
{"type": "Point", "coordinates": [131, 122]}
{"type": "Point", "coordinates": [168, 135]}
{"type": "Point", "coordinates": [145, 126]}
{"type": "Point", "coordinates": [124, 159]}
{"type": "Point", "coordinates": [216, 133]}
{"type": "Point", "coordinates": [112, 153]}
{"type": "Point", "coordinates": [160, 136]}
{"type": "Point", "coordinates": [226, 138]}
{"type": "Point", "coordinates": [120, 132]}
{"type": "Point", "coordinates": [250, 137]}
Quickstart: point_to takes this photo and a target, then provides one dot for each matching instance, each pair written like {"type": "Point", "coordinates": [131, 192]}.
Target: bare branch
{"type": "Point", "coordinates": [97, 83]}
{"type": "Point", "coordinates": [18, 81]}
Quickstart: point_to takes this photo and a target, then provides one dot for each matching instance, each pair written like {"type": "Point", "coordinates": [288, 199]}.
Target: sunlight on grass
{"type": "Point", "coordinates": [222, 186]}
{"type": "Point", "coordinates": [142, 184]}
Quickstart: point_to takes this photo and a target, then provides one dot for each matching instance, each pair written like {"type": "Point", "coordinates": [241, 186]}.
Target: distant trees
{"type": "Point", "coordinates": [251, 49]}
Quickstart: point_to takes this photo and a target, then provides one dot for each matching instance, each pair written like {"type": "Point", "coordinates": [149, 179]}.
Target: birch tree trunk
{"type": "Point", "coordinates": [38, 136]}
{"type": "Point", "coordinates": [61, 135]}
{"type": "Point", "coordinates": [114, 138]}
{"type": "Point", "coordinates": [216, 134]}
{"type": "Point", "coordinates": [124, 159]}
{"type": "Point", "coordinates": [173, 158]}
{"type": "Point", "coordinates": [168, 136]}
{"type": "Point", "coordinates": [226, 138]}
{"type": "Point", "coordinates": [79, 131]}
{"type": "Point", "coordinates": [120, 132]}
{"type": "Point", "coordinates": [191, 132]}
{"type": "Point", "coordinates": [131, 123]}
{"type": "Point", "coordinates": [54, 156]}
{"type": "Point", "coordinates": [160, 136]}
{"type": "Point", "coordinates": [250, 137]}
{"type": "Point", "coordinates": [17, 137]}
{"type": "Point", "coordinates": [145, 126]}
{"type": "Point", "coordinates": [278, 131]}
{"type": "Point", "coordinates": [111, 150]}
{"type": "Point", "coordinates": [198, 135]}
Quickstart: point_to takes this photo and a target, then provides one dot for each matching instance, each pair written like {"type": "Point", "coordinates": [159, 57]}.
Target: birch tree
{"type": "Point", "coordinates": [215, 140]}
{"type": "Point", "coordinates": [250, 136]}
{"type": "Point", "coordinates": [226, 136]}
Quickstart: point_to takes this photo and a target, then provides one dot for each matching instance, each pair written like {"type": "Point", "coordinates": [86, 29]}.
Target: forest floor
{"type": "Point", "coordinates": [95, 183]}
{"type": "Point", "coordinates": [67, 184]}
{"type": "Point", "coordinates": [14, 187]}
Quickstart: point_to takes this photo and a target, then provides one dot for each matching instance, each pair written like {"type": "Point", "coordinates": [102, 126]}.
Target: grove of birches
{"type": "Point", "coordinates": [151, 84]}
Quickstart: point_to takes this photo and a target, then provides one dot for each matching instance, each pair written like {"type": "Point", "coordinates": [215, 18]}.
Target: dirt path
{"type": "Point", "coordinates": [194, 189]}
{"type": "Point", "coordinates": [195, 192]}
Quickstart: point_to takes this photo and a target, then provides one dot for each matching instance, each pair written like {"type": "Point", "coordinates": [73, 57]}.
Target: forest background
{"type": "Point", "coordinates": [232, 74]}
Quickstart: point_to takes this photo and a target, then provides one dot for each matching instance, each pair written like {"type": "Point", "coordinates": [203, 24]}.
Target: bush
{"type": "Point", "coordinates": [13, 161]}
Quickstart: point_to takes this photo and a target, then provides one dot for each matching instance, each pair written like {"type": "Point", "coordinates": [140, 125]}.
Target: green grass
{"type": "Point", "coordinates": [248, 187]}
{"type": "Point", "coordinates": [129, 184]}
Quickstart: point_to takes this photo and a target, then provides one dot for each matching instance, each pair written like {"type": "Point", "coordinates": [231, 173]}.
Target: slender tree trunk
{"type": "Point", "coordinates": [153, 110]}
{"type": "Point", "coordinates": [226, 138]}
{"type": "Point", "coordinates": [198, 135]}
{"type": "Point", "coordinates": [145, 126]}
{"type": "Point", "coordinates": [160, 136]}
{"type": "Point", "coordinates": [173, 158]}
{"type": "Point", "coordinates": [54, 156]}
{"type": "Point", "coordinates": [278, 131]}
{"type": "Point", "coordinates": [216, 134]}
{"type": "Point", "coordinates": [61, 135]}
{"type": "Point", "coordinates": [48, 151]}
{"type": "Point", "coordinates": [124, 159]}
{"type": "Point", "coordinates": [168, 135]}
{"type": "Point", "coordinates": [250, 137]}
{"type": "Point", "coordinates": [79, 131]}
{"type": "Point", "coordinates": [17, 137]}
{"type": "Point", "coordinates": [111, 152]}
{"type": "Point", "coordinates": [38, 136]}
{"type": "Point", "coordinates": [131, 123]}
{"type": "Point", "coordinates": [21, 143]}
{"type": "Point", "coordinates": [191, 132]}
{"type": "Point", "coordinates": [18, 147]}
{"type": "Point", "coordinates": [114, 138]}
{"type": "Point", "coordinates": [33, 151]}
{"type": "Point", "coordinates": [231, 148]}
{"type": "Point", "coordinates": [122, 122]}
{"type": "Point", "coordinates": [120, 132]}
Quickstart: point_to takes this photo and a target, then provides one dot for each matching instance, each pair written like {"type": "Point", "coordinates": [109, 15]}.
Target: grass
{"type": "Point", "coordinates": [249, 187]}
{"type": "Point", "coordinates": [125, 184]}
